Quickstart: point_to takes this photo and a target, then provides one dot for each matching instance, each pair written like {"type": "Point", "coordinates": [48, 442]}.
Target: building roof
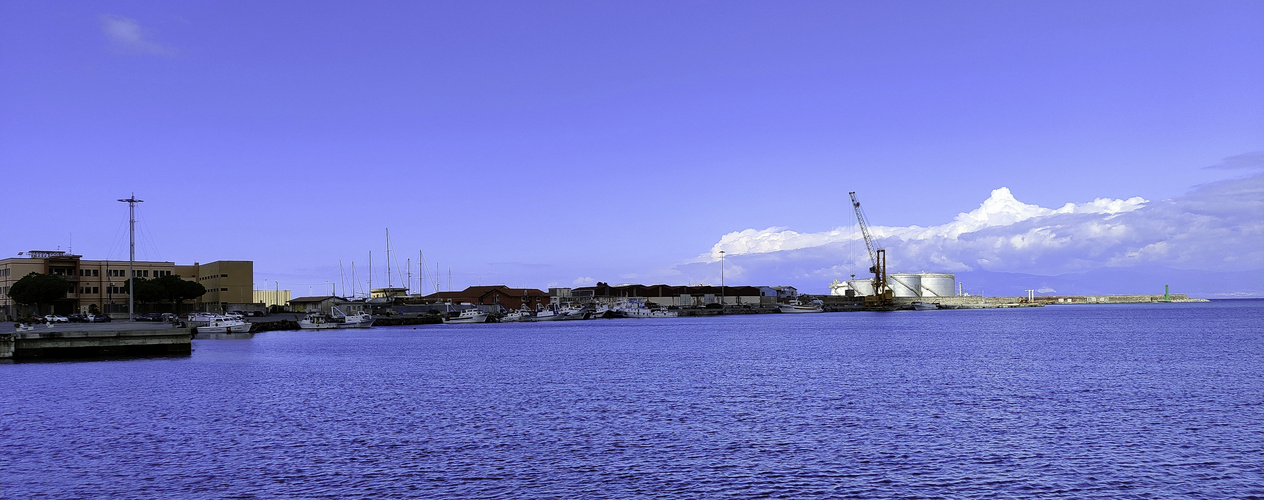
{"type": "Point", "coordinates": [319, 298]}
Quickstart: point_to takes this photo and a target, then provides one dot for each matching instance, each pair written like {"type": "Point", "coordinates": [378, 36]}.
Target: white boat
{"type": "Point", "coordinates": [471, 315]}
{"type": "Point", "coordinates": [337, 319]}
{"type": "Point", "coordinates": [220, 324]}
{"type": "Point", "coordinates": [547, 315]}
{"type": "Point", "coordinates": [575, 312]}
{"type": "Point", "coordinates": [795, 306]}
{"type": "Point", "coordinates": [635, 308]}
{"type": "Point", "coordinates": [924, 306]}
{"type": "Point", "coordinates": [515, 316]}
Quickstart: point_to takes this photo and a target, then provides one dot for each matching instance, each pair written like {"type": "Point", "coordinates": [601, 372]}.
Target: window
{"type": "Point", "coordinates": [223, 289]}
{"type": "Point", "coordinates": [96, 290]}
{"type": "Point", "coordinates": [96, 272]}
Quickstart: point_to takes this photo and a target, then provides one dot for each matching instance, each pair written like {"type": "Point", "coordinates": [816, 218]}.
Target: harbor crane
{"type": "Point", "coordinates": [882, 296]}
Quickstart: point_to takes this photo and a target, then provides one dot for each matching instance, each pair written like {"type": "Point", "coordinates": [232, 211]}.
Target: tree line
{"type": "Point", "coordinates": [41, 289]}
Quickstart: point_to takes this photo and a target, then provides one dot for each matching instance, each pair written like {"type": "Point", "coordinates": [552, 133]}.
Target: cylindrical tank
{"type": "Point", "coordinates": [938, 285]}
{"type": "Point", "coordinates": [839, 289]}
{"type": "Point", "coordinates": [862, 287]}
{"type": "Point", "coordinates": [905, 284]}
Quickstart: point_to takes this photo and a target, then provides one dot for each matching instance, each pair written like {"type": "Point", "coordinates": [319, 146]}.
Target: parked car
{"type": "Point", "coordinates": [53, 318]}
{"type": "Point", "coordinates": [99, 318]}
{"type": "Point", "coordinates": [77, 318]}
{"type": "Point", "coordinates": [149, 317]}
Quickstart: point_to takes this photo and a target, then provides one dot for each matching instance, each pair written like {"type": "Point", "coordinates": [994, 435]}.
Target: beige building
{"type": "Point", "coordinates": [100, 284]}
{"type": "Point", "coordinates": [274, 297]}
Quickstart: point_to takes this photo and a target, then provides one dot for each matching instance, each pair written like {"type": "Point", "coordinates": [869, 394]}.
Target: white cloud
{"type": "Point", "coordinates": [1216, 227]}
{"type": "Point", "coordinates": [126, 34]}
{"type": "Point", "coordinates": [584, 281]}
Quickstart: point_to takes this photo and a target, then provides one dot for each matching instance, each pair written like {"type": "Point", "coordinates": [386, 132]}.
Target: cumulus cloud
{"type": "Point", "coordinates": [125, 33]}
{"type": "Point", "coordinates": [1215, 227]}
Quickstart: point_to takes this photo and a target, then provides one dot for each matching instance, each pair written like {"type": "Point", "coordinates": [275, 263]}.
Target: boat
{"type": "Point", "coordinates": [220, 324]}
{"type": "Point", "coordinates": [795, 306]}
{"type": "Point", "coordinates": [575, 312]}
{"type": "Point", "coordinates": [924, 306]}
{"type": "Point", "coordinates": [547, 315]}
{"type": "Point", "coordinates": [335, 320]}
{"type": "Point", "coordinates": [471, 315]}
{"type": "Point", "coordinates": [515, 316]}
{"type": "Point", "coordinates": [634, 308]}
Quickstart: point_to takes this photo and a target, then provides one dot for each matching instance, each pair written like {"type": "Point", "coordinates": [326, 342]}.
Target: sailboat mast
{"type": "Point", "coordinates": [388, 257]}
{"type": "Point", "coordinates": [342, 277]}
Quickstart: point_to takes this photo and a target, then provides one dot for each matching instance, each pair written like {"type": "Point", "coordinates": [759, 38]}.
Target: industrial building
{"type": "Point", "coordinates": [921, 285]}
{"type": "Point", "coordinates": [101, 284]}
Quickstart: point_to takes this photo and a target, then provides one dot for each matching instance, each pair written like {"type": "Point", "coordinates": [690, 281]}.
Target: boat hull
{"type": "Point", "coordinates": [797, 309]}
{"type": "Point", "coordinates": [223, 328]}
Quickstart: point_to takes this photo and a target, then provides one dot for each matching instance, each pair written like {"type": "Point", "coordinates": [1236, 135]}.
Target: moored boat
{"type": "Point", "coordinates": [516, 316]}
{"type": "Point", "coordinates": [471, 315]}
{"type": "Point", "coordinates": [795, 306]}
{"type": "Point", "coordinates": [219, 324]}
{"type": "Point", "coordinates": [338, 319]}
{"type": "Point", "coordinates": [634, 308]}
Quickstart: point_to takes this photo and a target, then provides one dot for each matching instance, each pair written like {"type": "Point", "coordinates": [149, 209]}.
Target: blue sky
{"type": "Point", "coordinates": [563, 143]}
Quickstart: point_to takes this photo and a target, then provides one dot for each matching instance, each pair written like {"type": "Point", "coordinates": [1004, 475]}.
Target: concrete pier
{"type": "Point", "coordinates": [70, 341]}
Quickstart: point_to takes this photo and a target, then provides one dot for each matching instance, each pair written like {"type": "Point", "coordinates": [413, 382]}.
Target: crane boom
{"type": "Point", "coordinates": [864, 229]}
{"type": "Point", "coordinates": [877, 258]}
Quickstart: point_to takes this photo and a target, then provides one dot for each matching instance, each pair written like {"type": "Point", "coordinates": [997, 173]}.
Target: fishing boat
{"type": "Point", "coordinates": [516, 316]}
{"type": "Point", "coordinates": [547, 315]}
{"type": "Point", "coordinates": [795, 306]}
{"type": "Point", "coordinates": [220, 324]}
{"type": "Point", "coordinates": [635, 308]}
{"type": "Point", "coordinates": [575, 312]}
{"type": "Point", "coordinates": [335, 319]}
{"type": "Point", "coordinates": [924, 306]}
{"type": "Point", "coordinates": [471, 315]}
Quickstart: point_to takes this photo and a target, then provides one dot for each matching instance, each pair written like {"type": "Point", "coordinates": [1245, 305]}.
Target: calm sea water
{"type": "Point", "coordinates": [1124, 401]}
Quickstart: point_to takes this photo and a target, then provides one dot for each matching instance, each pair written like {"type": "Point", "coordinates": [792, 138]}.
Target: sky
{"type": "Point", "coordinates": [1074, 147]}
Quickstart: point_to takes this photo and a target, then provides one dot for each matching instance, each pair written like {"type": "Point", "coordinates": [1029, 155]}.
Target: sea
{"type": "Point", "coordinates": [1084, 401]}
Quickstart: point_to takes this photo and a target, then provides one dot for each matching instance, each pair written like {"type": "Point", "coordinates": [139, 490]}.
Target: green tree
{"type": "Point", "coordinates": [36, 289]}
{"type": "Point", "coordinates": [147, 290]}
{"type": "Point", "coordinates": [178, 290]}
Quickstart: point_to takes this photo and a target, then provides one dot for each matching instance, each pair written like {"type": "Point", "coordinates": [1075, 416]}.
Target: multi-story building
{"type": "Point", "coordinates": [101, 284]}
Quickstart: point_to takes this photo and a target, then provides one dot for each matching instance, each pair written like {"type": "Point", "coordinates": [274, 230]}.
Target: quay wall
{"type": "Point", "coordinates": [973, 301]}
{"type": "Point", "coordinates": [64, 344]}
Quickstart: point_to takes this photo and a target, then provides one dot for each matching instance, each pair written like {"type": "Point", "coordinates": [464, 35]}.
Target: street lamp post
{"type": "Point", "coordinates": [721, 280]}
{"type": "Point", "coordinates": [131, 255]}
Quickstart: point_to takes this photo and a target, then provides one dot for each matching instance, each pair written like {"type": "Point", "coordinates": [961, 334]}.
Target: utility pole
{"type": "Point", "coordinates": [131, 255]}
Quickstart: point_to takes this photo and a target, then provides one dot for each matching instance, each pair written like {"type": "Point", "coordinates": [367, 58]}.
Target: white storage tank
{"type": "Point", "coordinates": [905, 284]}
{"type": "Point", "coordinates": [938, 285]}
{"type": "Point", "coordinates": [863, 288]}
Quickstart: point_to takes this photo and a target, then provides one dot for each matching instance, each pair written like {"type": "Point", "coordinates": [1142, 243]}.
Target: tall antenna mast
{"type": "Point", "coordinates": [131, 255]}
